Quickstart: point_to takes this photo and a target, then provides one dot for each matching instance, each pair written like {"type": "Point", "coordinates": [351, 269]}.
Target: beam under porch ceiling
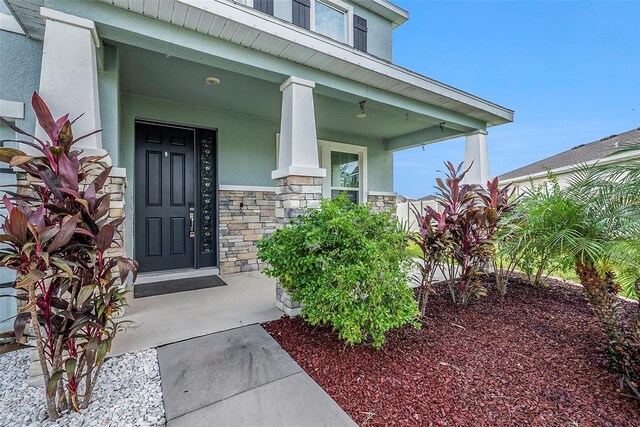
{"type": "Point", "coordinates": [421, 137]}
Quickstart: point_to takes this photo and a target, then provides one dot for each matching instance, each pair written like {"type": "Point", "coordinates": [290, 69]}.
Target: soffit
{"type": "Point", "coordinates": [249, 28]}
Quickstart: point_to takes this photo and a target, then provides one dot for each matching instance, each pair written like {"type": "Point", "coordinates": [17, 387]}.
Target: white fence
{"type": "Point", "coordinates": [405, 211]}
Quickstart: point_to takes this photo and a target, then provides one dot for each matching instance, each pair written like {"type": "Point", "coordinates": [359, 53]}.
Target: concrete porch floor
{"type": "Point", "coordinates": [248, 298]}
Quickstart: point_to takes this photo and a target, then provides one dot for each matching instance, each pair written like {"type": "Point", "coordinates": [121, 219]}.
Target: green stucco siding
{"type": "Point", "coordinates": [246, 145]}
{"type": "Point", "coordinates": [20, 62]}
{"type": "Point", "coordinates": [379, 33]}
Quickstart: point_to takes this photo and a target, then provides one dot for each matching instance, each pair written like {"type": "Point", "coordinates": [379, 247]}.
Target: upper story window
{"type": "Point", "coordinates": [331, 18]}
{"type": "Point", "coordinates": [330, 21]}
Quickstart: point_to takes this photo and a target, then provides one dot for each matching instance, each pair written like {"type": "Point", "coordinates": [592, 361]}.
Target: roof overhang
{"type": "Point", "coordinates": [607, 160]}
{"type": "Point", "coordinates": [247, 27]}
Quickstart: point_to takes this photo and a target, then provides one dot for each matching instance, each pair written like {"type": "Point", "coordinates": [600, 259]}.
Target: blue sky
{"type": "Point", "coordinates": [570, 70]}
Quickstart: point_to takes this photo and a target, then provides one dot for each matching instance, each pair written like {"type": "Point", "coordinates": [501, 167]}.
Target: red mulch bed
{"type": "Point", "coordinates": [534, 359]}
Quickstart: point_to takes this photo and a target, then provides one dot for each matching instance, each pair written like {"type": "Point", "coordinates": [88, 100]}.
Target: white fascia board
{"type": "Point", "coordinates": [11, 109]}
{"type": "Point", "coordinates": [10, 23]}
{"type": "Point", "coordinates": [292, 33]}
{"type": "Point", "coordinates": [618, 158]}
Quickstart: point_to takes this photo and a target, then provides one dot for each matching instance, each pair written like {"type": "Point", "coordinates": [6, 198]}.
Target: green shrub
{"type": "Point", "coordinates": [347, 267]}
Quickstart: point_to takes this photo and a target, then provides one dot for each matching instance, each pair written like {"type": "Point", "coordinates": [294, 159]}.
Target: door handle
{"type": "Point", "coordinates": [192, 220]}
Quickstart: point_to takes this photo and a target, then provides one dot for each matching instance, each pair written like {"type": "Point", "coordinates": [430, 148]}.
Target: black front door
{"type": "Point", "coordinates": [165, 197]}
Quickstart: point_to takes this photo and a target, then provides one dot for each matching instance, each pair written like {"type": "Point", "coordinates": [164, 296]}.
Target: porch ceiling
{"type": "Point", "coordinates": [280, 47]}
{"type": "Point", "coordinates": [157, 75]}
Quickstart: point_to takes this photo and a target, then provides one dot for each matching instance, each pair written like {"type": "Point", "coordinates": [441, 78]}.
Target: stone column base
{"type": "Point", "coordinates": [284, 302]}
{"type": "Point", "coordinates": [294, 194]}
{"type": "Point", "coordinates": [382, 203]}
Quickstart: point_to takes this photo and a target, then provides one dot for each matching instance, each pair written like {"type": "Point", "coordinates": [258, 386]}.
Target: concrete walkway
{"type": "Point", "coordinates": [248, 298]}
{"type": "Point", "coordinates": [241, 377]}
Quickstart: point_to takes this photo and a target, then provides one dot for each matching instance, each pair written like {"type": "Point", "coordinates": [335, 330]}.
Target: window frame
{"type": "Point", "coordinates": [325, 149]}
{"type": "Point", "coordinates": [324, 153]}
{"type": "Point", "coordinates": [348, 19]}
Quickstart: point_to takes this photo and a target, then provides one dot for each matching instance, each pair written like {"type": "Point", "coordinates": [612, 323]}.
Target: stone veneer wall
{"type": "Point", "coordinates": [293, 194]}
{"type": "Point", "coordinates": [116, 186]}
{"type": "Point", "coordinates": [244, 218]}
{"type": "Point", "coordinates": [382, 203]}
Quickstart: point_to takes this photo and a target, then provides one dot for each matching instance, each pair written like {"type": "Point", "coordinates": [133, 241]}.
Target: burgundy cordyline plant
{"type": "Point", "coordinates": [497, 204]}
{"type": "Point", "coordinates": [433, 239]}
{"type": "Point", "coordinates": [459, 240]}
{"type": "Point", "coordinates": [56, 238]}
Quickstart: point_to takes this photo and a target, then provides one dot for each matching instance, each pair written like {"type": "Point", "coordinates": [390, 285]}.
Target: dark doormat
{"type": "Point", "coordinates": [179, 285]}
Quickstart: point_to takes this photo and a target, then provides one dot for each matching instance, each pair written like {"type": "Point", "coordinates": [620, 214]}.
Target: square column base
{"type": "Point", "coordinates": [294, 194]}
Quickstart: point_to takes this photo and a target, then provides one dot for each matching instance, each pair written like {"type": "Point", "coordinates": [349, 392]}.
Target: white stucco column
{"type": "Point", "coordinates": [299, 177]}
{"type": "Point", "coordinates": [69, 77]}
{"type": "Point", "coordinates": [298, 155]}
{"type": "Point", "coordinates": [476, 151]}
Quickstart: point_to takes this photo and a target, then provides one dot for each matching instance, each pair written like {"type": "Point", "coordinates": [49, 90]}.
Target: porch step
{"type": "Point", "coordinates": [163, 276]}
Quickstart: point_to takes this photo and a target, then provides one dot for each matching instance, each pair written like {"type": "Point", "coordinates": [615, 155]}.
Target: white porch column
{"type": "Point", "coordinates": [298, 141]}
{"type": "Point", "coordinates": [69, 77]}
{"type": "Point", "coordinates": [299, 176]}
{"type": "Point", "coordinates": [476, 151]}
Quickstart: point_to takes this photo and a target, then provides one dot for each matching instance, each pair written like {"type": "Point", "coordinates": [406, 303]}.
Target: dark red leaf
{"type": "Point", "coordinates": [104, 238]}
{"type": "Point", "coordinates": [18, 225]}
{"type": "Point", "coordinates": [20, 323]}
{"type": "Point", "coordinates": [43, 114]}
{"type": "Point", "coordinates": [68, 172]}
{"type": "Point", "coordinates": [51, 180]}
{"type": "Point", "coordinates": [7, 204]}
{"type": "Point", "coordinates": [90, 196]}
{"type": "Point", "coordinates": [37, 217]}
{"type": "Point", "coordinates": [102, 178]}
{"type": "Point", "coordinates": [67, 228]}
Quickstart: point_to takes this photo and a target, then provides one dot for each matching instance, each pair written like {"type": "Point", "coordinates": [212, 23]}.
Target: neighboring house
{"type": "Point", "coordinates": [563, 165]}
{"type": "Point", "coordinates": [225, 118]}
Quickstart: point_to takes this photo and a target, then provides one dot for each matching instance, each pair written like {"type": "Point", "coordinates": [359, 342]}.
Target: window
{"type": "Point", "coordinates": [330, 21]}
{"type": "Point", "coordinates": [345, 175]}
{"type": "Point", "coordinates": [346, 167]}
{"type": "Point", "coordinates": [331, 18]}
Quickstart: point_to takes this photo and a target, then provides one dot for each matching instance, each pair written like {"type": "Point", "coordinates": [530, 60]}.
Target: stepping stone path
{"type": "Point", "coordinates": [241, 377]}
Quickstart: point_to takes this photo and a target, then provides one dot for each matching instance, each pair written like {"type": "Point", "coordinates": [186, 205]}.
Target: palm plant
{"type": "Point", "coordinates": [532, 224]}
{"type": "Point", "coordinates": [585, 226]}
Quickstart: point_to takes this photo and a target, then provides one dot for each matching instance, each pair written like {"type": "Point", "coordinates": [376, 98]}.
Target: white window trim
{"type": "Point", "coordinates": [342, 6]}
{"type": "Point", "coordinates": [324, 152]}
{"type": "Point", "coordinates": [325, 148]}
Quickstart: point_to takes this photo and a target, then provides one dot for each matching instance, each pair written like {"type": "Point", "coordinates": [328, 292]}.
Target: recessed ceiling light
{"type": "Point", "coordinates": [212, 81]}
